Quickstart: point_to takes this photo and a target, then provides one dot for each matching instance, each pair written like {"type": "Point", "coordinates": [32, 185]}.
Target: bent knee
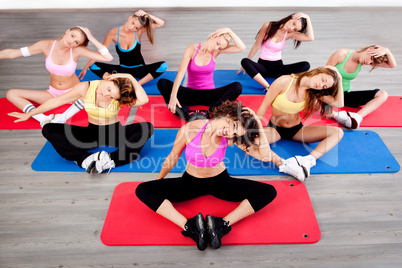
{"type": "Point", "coordinates": [11, 93]}
{"type": "Point", "coordinates": [336, 132]}
{"type": "Point", "coordinates": [382, 95]}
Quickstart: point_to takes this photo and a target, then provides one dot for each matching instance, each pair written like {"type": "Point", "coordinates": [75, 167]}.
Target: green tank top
{"type": "Point", "coordinates": [347, 77]}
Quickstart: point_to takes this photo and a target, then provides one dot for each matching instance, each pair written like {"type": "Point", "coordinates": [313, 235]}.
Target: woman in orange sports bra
{"type": "Point", "coordinates": [61, 61]}
{"type": "Point", "coordinates": [102, 100]}
{"type": "Point", "coordinates": [307, 92]}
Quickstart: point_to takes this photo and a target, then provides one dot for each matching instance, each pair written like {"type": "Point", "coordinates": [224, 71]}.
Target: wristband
{"type": "Point", "coordinates": [25, 52]}
{"type": "Point", "coordinates": [103, 51]}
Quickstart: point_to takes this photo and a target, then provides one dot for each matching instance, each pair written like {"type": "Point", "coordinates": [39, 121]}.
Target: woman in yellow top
{"type": "Point", "coordinates": [309, 92]}
{"type": "Point", "coordinates": [102, 100]}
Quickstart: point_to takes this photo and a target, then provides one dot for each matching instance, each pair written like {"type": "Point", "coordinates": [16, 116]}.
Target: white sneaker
{"type": "Point", "coordinates": [356, 120]}
{"type": "Point", "coordinates": [48, 119]}
{"type": "Point", "coordinates": [89, 163]}
{"type": "Point", "coordinates": [307, 162]}
{"type": "Point", "coordinates": [343, 118]}
{"type": "Point", "coordinates": [292, 167]}
{"type": "Point", "coordinates": [103, 162]}
{"type": "Point", "coordinates": [349, 120]}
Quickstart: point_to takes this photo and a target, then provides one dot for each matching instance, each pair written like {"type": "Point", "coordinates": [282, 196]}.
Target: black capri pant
{"type": "Point", "coordinates": [222, 186]}
{"type": "Point", "coordinates": [273, 68]}
{"type": "Point", "coordinates": [155, 69]}
{"type": "Point", "coordinates": [73, 142]}
{"type": "Point", "coordinates": [207, 97]}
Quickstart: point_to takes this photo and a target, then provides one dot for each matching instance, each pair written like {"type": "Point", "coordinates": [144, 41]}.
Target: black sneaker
{"type": "Point", "coordinates": [191, 116]}
{"type": "Point", "coordinates": [217, 227]}
{"type": "Point", "coordinates": [202, 114]}
{"type": "Point", "coordinates": [195, 229]}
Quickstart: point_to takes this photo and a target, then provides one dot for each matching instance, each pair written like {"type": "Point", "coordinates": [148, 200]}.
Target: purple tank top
{"type": "Point", "coordinates": [195, 156]}
{"type": "Point", "coordinates": [201, 77]}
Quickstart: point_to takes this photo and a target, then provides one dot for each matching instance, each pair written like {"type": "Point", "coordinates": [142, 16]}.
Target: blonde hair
{"type": "Point", "coordinates": [226, 36]}
{"type": "Point", "coordinates": [86, 40]}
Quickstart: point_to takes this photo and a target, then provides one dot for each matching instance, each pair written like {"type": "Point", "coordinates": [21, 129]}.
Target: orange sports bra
{"type": "Point", "coordinates": [282, 103]}
{"type": "Point", "coordinates": [99, 113]}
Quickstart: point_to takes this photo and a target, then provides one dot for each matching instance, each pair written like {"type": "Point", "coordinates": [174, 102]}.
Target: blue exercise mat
{"type": "Point", "coordinates": [358, 152]}
{"type": "Point", "coordinates": [150, 87]}
{"type": "Point", "coordinates": [221, 78]}
{"type": "Point", "coordinates": [250, 86]}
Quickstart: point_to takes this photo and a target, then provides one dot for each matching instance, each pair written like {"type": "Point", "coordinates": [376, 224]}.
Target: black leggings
{"type": "Point", "coordinates": [73, 142]}
{"type": "Point", "coordinates": [222, 186]}
{"type": "Point", "coordinates": [190, 97]}
{"type": "Point", "coordinates": [272, 68]}
{"type": "Point", "coordinates": [155, 69]}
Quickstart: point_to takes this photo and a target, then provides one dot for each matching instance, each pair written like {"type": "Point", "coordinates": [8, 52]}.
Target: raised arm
{"type": "Point", "coordinates": [379, 51]}
{"type": "Point", "coordinates": [106, 42]}
{"type": "Point", "coordinates": [156, 22]}
{"type": "Point", "coordinates": [302, 36]}
{"type": "Point", "coordinates": [102, 54]}
{"type": "Point", "coordinates": [74, 94]}
{"type": "Point", "coordinates": [142, 97]}
{"type": "Point", "coordinates": [238, 46]}
{"type": "Point", "coordinates": [188, 54]}
{"type": "Point", "coordinates": [173, 157]}
{"type": "Point", "coordinates": [261, 149]}
{"type": "Point", "coordinates": [34, 49]}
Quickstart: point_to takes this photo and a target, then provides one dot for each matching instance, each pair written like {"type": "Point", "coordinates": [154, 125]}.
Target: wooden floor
{"type": "Point", "coordinates": [50, 219]}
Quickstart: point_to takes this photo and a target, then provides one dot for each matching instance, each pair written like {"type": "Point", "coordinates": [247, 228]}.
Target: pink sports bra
{"type": "Point", "coordinates": [201, 77]}
{"type": "Point", "coordinates": [62, 70]}
{"type": "Point", "coordinates": [272, 51]}
{"type": "Point", "coordinates": [195, 156]}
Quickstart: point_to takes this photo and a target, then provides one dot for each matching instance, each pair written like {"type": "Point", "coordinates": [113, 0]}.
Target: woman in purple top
{"type": "Point", "coordinates": [199, 61]}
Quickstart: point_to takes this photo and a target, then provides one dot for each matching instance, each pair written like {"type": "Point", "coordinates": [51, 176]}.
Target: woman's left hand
{"type": "Point", "coordinates": [299, 15]}
{"type": "Point", "coordinates": [221, 31]}
{"type": "Point", "coordinates": [140, 13]}
{"type": "Point", "coordinates": [86, 31]}
{"type": "Point", "coordinates": [21, 116]}
{"type": "Point", "coordinates": [378, 51]}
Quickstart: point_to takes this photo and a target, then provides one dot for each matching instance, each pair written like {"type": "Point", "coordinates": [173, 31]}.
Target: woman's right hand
{"type": "Point", "coordinates": [173, 103]}
{"type": "Point", "coordinates": [82, 74]}
{"type": "Point", "coordinates": [240, 70]}
{"type": "Point", "coordinates": [21, 116]}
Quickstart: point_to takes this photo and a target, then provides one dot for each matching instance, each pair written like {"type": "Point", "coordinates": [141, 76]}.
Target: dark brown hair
{"type": "Point", "coordinates": [313, 102]}
{"type": "Point", "coordinates": [237, 112]}
{"type": "Point", "coordinates": [127, 92]}
{"type": "Point", "coordinates": [146, 21]}
{"type": "Point", "coordinates": [274, 26]}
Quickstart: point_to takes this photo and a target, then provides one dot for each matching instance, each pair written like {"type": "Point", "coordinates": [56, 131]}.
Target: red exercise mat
{"type": "Point", "coordinates": [387, 115]}
{"type": "Point", "coordinates": [79, 119]}
{"type": "Point", "coordinates": [289, 219]}
{"type": "Point", "coordinates": [156, 111]}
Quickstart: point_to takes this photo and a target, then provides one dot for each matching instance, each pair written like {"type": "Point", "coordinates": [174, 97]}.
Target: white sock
{"type": "Point", "coordinates": [38, 117]}
{"type": "Point", "coordinates": [71, 111]}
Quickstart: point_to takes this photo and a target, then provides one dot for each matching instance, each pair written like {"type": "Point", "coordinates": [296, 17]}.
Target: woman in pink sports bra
{"type": "Point", "coordinates": [271, 39]}
{"type": "Point", "coordinates": [199, 62]}
{"type": "Point", "coordinates": [61, 61]}
{"type": "Point", "coordinates": [205, 142]}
